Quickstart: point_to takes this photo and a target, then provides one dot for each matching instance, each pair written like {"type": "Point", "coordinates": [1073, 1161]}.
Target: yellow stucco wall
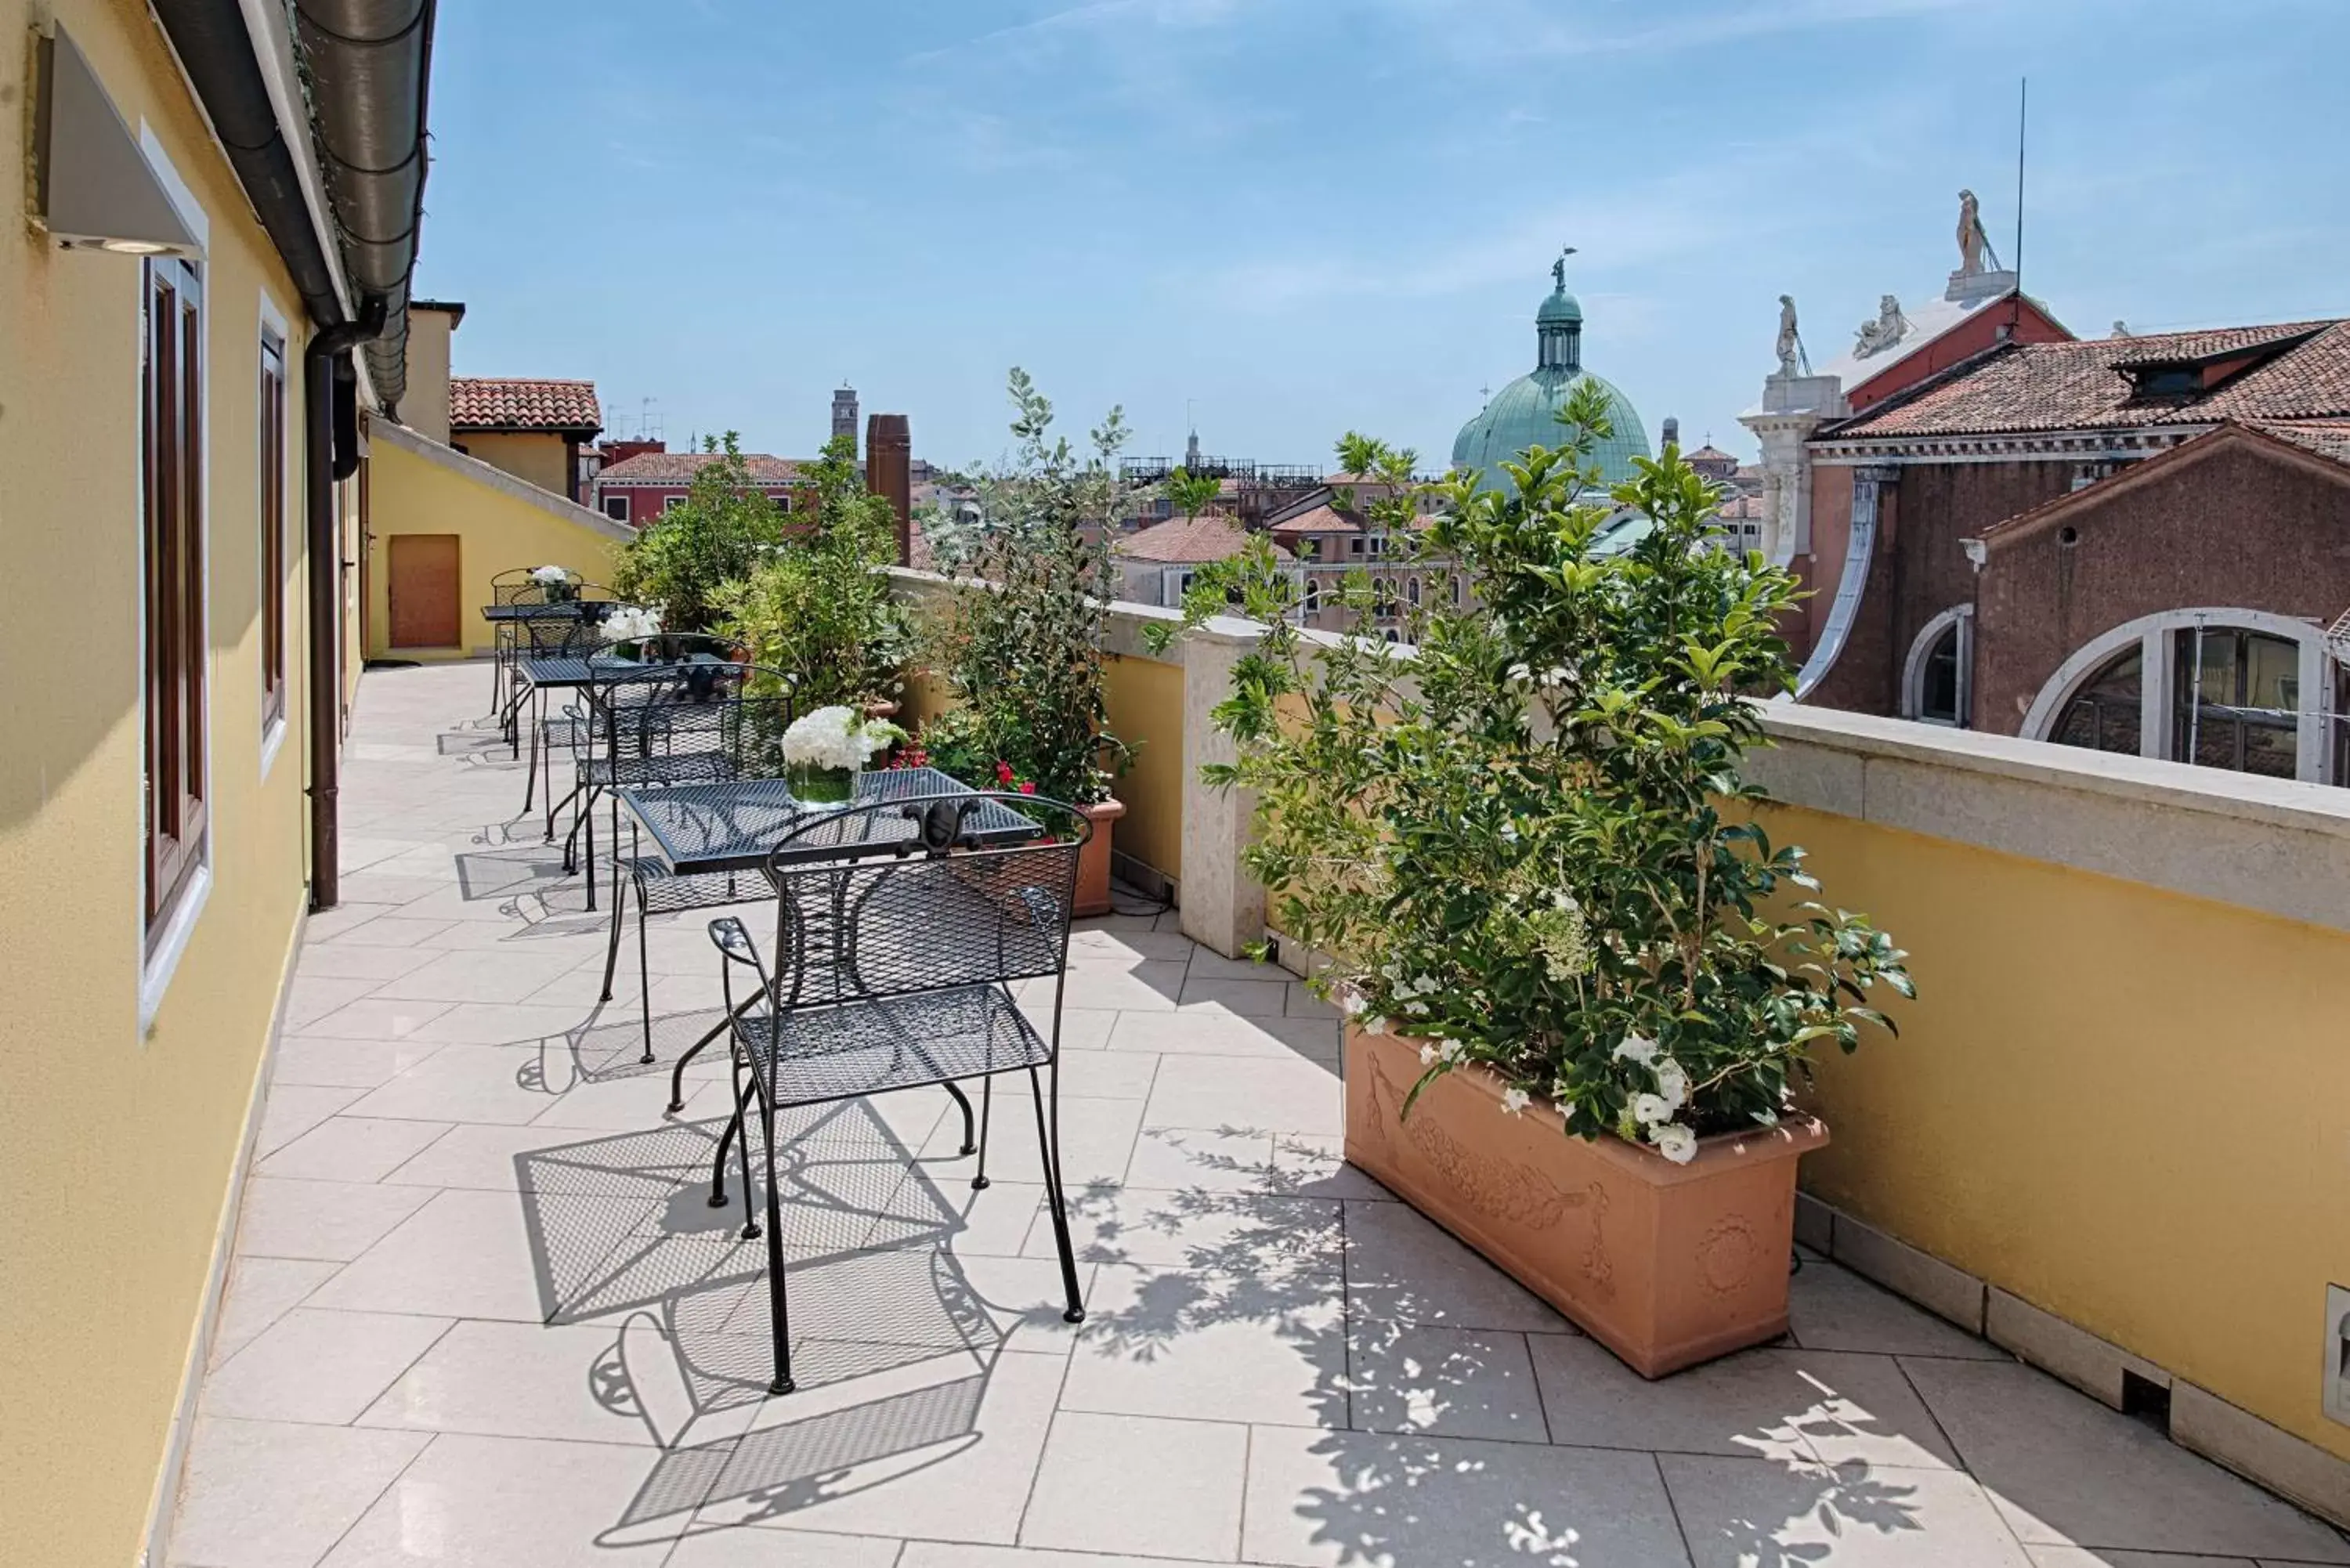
{"type": "Point", "coordinates": [1146, 710]}
{"type": "Point", "coordinates": [2123, 1105]}
{"type": "Point", "coordinates": [116, 1144]}
{"type": "Point", "coordinates": [410, 493]}
{"type": "Point", "coordinates": [536, 457]}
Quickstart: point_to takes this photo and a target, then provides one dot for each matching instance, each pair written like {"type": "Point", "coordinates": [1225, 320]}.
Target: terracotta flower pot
{"type": "Point", "coordinates": [1093, 860]}
{"type": "Point", "coordinates": [1664, 1265]}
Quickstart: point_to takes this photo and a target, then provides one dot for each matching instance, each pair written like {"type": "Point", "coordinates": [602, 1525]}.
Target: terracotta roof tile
{"type": "Point", "coordinates": [680, 467]}
{"type": "Point", "coordinates": [1326, 518]}
{"type": "Point", "coordinates": [1185, 541]}
{"type": "Point", "coordinates": [2077, 386]}
{"type": "Point", "coordinates": [518, 403]}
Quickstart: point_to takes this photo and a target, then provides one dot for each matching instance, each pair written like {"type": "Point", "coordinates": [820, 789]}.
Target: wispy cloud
{"type": "Point", "coordinates": [1096, 18]}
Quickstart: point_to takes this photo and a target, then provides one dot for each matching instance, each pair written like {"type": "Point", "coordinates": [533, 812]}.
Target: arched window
{"type": "Point", "coordinates": [2236, 702]}
{"type": "Point", "coordinates": [1937, 684]}
{"type": "Point", "coordinates": [2102, 714]}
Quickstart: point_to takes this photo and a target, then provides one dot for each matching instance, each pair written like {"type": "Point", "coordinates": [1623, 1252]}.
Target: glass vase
{"type": "Point", "coordinates": [822, 786]}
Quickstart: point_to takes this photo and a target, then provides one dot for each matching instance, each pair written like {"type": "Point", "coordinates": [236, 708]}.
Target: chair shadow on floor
{"type": "Point", "coordinates": [621, 1230]}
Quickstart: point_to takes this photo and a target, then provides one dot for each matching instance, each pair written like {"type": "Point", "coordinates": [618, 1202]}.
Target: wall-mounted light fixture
{"type": "Point", "coordinates": [91, 186]}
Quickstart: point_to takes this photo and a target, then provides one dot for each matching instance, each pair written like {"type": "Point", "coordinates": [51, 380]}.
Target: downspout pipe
{"type": "Point", "coordinates": [320, 371]}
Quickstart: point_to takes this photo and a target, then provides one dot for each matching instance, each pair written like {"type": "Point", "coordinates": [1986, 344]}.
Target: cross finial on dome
{"type": "Point", "coordinates": [1558, 267]}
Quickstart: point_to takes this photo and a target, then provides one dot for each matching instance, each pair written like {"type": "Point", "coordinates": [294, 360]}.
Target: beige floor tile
{"type": "Point", "coordinates": [586, 1383]}
{"type": "Point", "coordinates": [331, 1221]}
{"type": "Point", "coordinates": [1097, 1142]}
{"type": "Point", "coordinates": [1150, 985]}
{"type": "Point", "coordinates": [1220, 1232]}
{"type": "Point", "coordinates": [2066, 1470]}
{"type": "Point", "coordinates": [352, 1148]}
{"type": "Point", "coordinates": [1832, 1308]}
{"type": "Point", "coordinates": [1262, 1348]}
{"type": "Point", "coordinates": [1092, 1075]}
{"type": "Point", "coordinates": [512, 1502]}
{"type": "Point", "coordinates": [1215, 1034]}
{"type": "Point", "coordinates": [766, 1546]}
{"type": "Point", "coordinates": [2083, 1557]}
{"type": "Point", "coordinates": [624, 1104]}
{"type": "Point", "coordinates": [501, 1024]}
{"type": "Point", "coordinates": [1442, 1382]}
{"type": "Point", "coordinates": [1234, 998]}
{"type": "Point", "coordinates": [1738, 1512]}
{"type": "Point", "coordinates": [293, 1110]}
{"type": "Point", "coordinates": [1401, 1268]}
{"type": "Point", "coordinates": [1024, 1300]}
{"type": "Point", "coordinates": [260, 1291]}
{"type": "Point", "coordinates": [1082, 1028]}
{"type": "Point", "coordinates": [995, 1224]}
{"type": "Point", "coordinates": [497, 974]}
{"type": "Point", "coordinates": [1303, 1004]}
{"type": "Point", "coordinates": [484, 1158]}
{"type": "Point", "coordinates": [311, 997]}
{"type": "Point", "coordinates": [1094, 943]}
{"type": "Point", "coordinates": [1202, 1159]}
{"type": "Point", "coordinates": [1819, 1405]}
{"type": "Point", "coordinates": [1209, 965]}
{"type": "Point", "coordinates": [340, 922]}
{"type": "Point", "coordinates": [1128, 1483]}
{"type": "Point", "coordinates": [345, 1063]}
{"type": "Point", "coordinates": [271, 1494]}
{"type": "Point", "coordinates": [1331, 1499]}
{"type": "Point", "coordinates": [359, 960]}
{"type": "Point", "coordinates": [319, 1366]}
{"type": "Point", "coordinates": [388, 930]}
{"type": "Point", "coordinates": [955, 1554]}
{"type": "Point", "coordinates": [1244, 1092]}
{"type": "Point", "coordinates": [374, 1018]}
{"type": "Point", "coordinates": [944, 1449]}
{"type": "Point", "coordinates": [470, 1084]}
{"type": "Point", "coordinates": [462, 1254]}
{"type": "Point", "coordinates": [1313, 1165]}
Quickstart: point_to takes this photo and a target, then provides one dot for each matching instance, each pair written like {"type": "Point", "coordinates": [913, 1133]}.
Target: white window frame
{"type": "Point", "coordinates": [2153, 635]}
{"type": "Point", "coordinates": [159, 954]}
{"type": "Point", "coordinates": [625, 514]}
{"type": "Point", "coordinates": [273, 323]}
{"type": "Point", "coordinates": [672, 503]}
{"type": "Point", "coordinates": [1921, 649]}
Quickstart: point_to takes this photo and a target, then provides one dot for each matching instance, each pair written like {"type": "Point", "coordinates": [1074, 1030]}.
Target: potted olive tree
{"type": "Point", "coordinates": [1583, 982]}
{"type": "Point", "coordinates": [1019, 648]}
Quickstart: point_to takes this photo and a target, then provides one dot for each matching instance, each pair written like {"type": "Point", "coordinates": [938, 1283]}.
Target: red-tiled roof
{"type": "Point", "coordinates": [517, 403]}
{"type": "Point", "coordinates": [1708, 453]}
{"type": "Point", "coordinates": [1326, 518]}
{"type": "Point", "coordinates": [2328, 438]}
{"type": "Point", "coordinates": [2076, 386]}
{"type": "Point", "coordinates": [1186, 540]}
{"type": "Point", "coordinates": [680, 467]}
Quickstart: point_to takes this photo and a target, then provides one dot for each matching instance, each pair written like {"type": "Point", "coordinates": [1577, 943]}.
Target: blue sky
{"type": "Point", "coordinates": [1298, 217]}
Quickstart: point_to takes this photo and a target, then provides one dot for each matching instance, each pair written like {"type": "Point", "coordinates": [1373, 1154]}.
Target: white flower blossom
{"type": "Point", "coordinates": [1636, 1048]}
{"type": "Point", "coordinates": [1416, 1007]}
{"type": "Point", "coordinates": [547, 576]}
{"type": "Point", "coordinates": [1426, 1056]}
{"type": "Point", "coordinates": [1521, 672]}
{"type": "Point", "coordinates": [1426, 985]}
{"type": "Point", "coordinates": [631, 623]}
{"type": "Point", "coordinates": [1650, 1109]}
{"type": "Point", "coordinates": [1374, 1025]}
{"type": "Point", "coordinates": [1514, 1101]}
{"type": "Point", "coordinates": [1554, 676]}
{"type": "Point", "coordinates": [1672, 1083]}
{"type": "Point", "coordinates": [1675, 1142]}
{"type": "Point", "coordinates": [1449, 1051]}
{"type": "Point", "coordinates": [837, 738]}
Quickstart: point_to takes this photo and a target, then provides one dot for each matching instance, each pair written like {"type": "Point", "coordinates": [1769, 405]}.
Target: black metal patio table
{"type": "Point", "coordinates": [713, 844]}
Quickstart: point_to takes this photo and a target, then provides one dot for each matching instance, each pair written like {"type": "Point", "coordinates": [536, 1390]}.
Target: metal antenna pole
{"type": "Point", "coordinates": [2022, 106]}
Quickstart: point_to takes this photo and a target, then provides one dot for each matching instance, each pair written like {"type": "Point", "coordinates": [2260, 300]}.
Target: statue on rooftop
{"type": "Point", "coordinates": [1558, 268]}
{"type": "Point", "coordinates": [1974, 244]}
{"type": "Point", "coordinates": [1873, 336]}
{"type": "Point", "coordinates": [1791, 347]}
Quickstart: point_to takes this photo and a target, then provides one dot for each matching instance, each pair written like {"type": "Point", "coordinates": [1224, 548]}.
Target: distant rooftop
{"type": "Point", "coordinates": [1186, 540]}
{"type": "Point", "coordinates": [680, 467]}
{"type": "Point", "coordinates": [523, 403]}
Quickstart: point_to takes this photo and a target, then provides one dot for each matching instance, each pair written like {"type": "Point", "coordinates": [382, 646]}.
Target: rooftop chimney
{"type": "Point", "coordinates": [888, 473]}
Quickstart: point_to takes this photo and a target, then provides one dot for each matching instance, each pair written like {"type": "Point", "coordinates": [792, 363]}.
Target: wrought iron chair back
{"type": "Point", "coordinates": [695, 721]}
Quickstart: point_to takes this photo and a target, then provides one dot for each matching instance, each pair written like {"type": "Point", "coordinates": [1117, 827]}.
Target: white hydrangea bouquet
{"type": "Point", "coordinates": [826, 749]}
{"type": "Point", "coordinates": [556, 580]}
{"type": "Point", "coordinates": [627, 628]}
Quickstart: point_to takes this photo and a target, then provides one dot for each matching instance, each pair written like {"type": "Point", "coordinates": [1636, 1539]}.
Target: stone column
{"type": "Point", "coordinates": [1223, 906]}
{"type": "Point", "coordinates": [1793, 406]}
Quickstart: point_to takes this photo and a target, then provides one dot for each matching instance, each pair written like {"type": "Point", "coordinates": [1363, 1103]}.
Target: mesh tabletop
{"type": "Point", "coordinates": [574, 610]}
{"type": "Point", "coordinates": [732, 826]}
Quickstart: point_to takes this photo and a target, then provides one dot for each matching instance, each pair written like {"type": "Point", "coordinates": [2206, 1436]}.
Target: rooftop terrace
{"type": "Point", "coordinates": [480, 1313]}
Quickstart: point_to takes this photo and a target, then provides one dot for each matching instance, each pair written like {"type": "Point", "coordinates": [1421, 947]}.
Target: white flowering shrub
{"type": "Point", "coordinates": [631, 623]}
{"type": "Point", "coordinates": [1524, 839]}
{"type": "Point", "coordinates": [837, 739]}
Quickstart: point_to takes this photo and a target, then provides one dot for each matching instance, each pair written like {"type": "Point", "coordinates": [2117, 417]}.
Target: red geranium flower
{"type": "Point", "coordinates": [1027, 787]}
{"type": "Point", "coordinates": [1003, 772]}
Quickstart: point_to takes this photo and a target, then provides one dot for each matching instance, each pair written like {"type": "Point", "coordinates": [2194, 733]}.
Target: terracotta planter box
{"type": "Point", "coordinates": [1664, 1265]}
{"type": "Point", "coordinates": [1093, 860]}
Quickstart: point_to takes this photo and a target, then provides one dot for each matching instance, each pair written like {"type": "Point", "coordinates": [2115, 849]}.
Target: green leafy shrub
{"type": "Point", "coordinates": [725, 527]}
{"type": "Point", "coordinates": [1525, 838]}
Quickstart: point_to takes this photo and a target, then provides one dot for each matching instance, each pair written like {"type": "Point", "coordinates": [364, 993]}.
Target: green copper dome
{"type": "Point", "coordinates": [1526, 412]}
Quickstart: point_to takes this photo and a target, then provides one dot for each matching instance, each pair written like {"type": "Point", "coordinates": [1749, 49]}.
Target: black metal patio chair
{"type": "Point", "coordinates": [895, 972]}
{"type": "Point", "coordinates": [694, 714]}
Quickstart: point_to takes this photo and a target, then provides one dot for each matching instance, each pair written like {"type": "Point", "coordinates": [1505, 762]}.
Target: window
{"type": "Point", "coordinates": [2236, 702]}
{"type": "Point", "coordinates": [273, 527]}
{"type": "Point", "coordinates": [1456, 593]}
{"type": "Point", "coordinates": [784, 502]}
{"type": "Point", "coordinates": [616, 507]}
{"type": "Point", "coordinates": [2103, 714]}
{"type": "Point", "coordinates": [1355, 546]}
{"type": "Point", "coordinates": [672, 503]}
{"type": "Point", "coordinates": [1377, 545]}
{"type": "Point", "coordinates": [1938, 694]}
{"type": "Point", "coordinates": [1313, 596]}
{"type": "Point", "coordinates": [1411, 591]}
{"type": "Point", "coordinates": [171, 436]}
